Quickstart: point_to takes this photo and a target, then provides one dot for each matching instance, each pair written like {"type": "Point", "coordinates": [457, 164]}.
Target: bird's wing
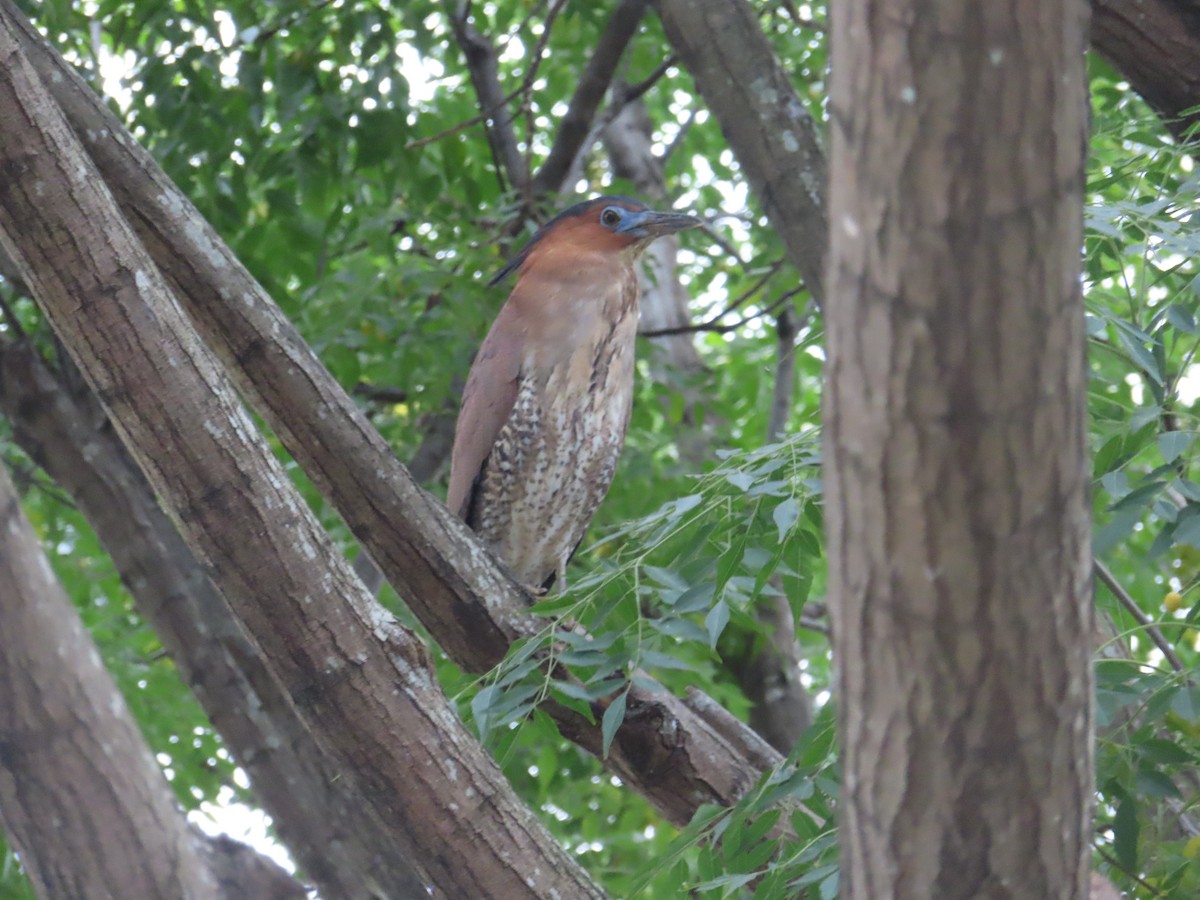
{"type": "Point", "coordinates": [487, 401]}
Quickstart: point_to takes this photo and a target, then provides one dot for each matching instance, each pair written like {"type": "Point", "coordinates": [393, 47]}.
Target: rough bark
{"type": "Point", "coordinates": [955, 449]}
{"type": "Point", "coordinates": [242, 872]}
{"type": "Point", "coordinates": [671, 751]}
{"type": "Point", "coordinates": [81, 797]}
{"type": "Point", "coordinates": [770, 132]}
{"type": "Point", "coordinates": [443, 801]}
{"type": "Point", "coordinates": [336, 842]}
{"type": "Point", "coordinates": [1156, 45]}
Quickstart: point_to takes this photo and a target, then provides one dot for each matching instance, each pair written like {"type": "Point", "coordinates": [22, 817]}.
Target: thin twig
{"type": "Point", "coordinates": [1112, 861]}
{"type": "Point", "coordinates": [482, 64]}
{"type": "Point", "coordinates": [808, 623]}
{"type": "Point", "coordinates": [539, 53]}
{"type": "Point", "coordinates": [535, 9]}
{"type": "Point", "coordinates": [758, 285]}
{"type": "Point", "coordinates": [380, 393]}
{"type": "Point", "coordinates": [525, 87]}
{"type": "Point", "coordinates": [635, 91]}
{"type": "Point", "coordinates": [285, 22]}
{"type": "Point", "coordinates": [721, 241]}
{"type": "Point", "coordinates": [621, 97]}
{"type": "Point", "coordinates": [712, 326]}
{"type": "Point", "coordinates": [31, 477]}
{"type": "Point", "coordinates": [1134, 610]}
{"type": "Point", "coordinates": [684, 127]}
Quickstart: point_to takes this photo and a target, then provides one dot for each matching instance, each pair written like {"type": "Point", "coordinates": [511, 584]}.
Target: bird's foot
{"type": "Point", "coordinates": [535, 591]}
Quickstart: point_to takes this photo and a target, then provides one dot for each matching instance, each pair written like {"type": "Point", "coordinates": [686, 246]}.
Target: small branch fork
{"type": "Point", "coordinates": [1131, 606]}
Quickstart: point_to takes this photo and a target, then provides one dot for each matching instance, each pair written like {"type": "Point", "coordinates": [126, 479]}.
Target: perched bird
{"type": "Point", "coordinates": [547, 401]}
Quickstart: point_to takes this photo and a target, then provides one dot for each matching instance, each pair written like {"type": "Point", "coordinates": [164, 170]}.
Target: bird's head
{"type": "Point", "coordinates": [607, 227]}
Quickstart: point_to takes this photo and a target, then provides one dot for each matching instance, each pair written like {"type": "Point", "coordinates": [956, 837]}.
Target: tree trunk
{"type": "Point", "coordinates": [955, 448]}
{"type": "Point", "coordinates": [82, 798]}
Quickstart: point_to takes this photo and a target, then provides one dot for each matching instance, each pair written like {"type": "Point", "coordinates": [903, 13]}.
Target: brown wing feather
{"type": "Point", "coordinates": [487, 401]}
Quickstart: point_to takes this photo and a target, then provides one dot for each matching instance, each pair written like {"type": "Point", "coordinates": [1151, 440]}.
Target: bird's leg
{"type": "Point", "coordinates": [560, 575]}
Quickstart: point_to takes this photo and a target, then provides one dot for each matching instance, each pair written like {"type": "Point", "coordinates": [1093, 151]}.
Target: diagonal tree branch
{"type": "Point", "coordinates": [1156, 45]}
{"type": "Point", "coordinates": [482, 63]}
{"type": "Point", "coordinates": [589, 94]}
{"type": "Point", "coordinates": [774, 138]}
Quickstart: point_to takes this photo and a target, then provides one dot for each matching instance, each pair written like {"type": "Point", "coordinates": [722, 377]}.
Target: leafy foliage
{"type": "Point", "coordinates": [1141, 288]}
{"type": "Point", "coordinates": [334, 146]}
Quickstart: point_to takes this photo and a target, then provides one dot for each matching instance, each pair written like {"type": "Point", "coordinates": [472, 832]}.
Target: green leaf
{"type": "Point", "coordinates": [684, 629]}
{"type": "Point", "coordinates": [481, 708]}
{"type": "Point", "coordinates": [1181, 318]}
{"type": "Point", "coordinates": [659, 660]}
{"type": "Point", "coordinates": [1188, 529]}
{"type": "Point", "coordinates": [613, 717]}
{"type": "Point", "coordinates": [1115, 530]}
{"type": "Point", "coordinates": [1139, 498]}
{"type": "Point", "coordinates": [1173, 444]}
{"type": "Point", "coordinates": [1152, 783]}
{"type": "Point", "coordinates": [1116, 483]}
{"type": "Point", "coordinates": [1143, 416]}
{"type": "Point", "coordinates": [740, 480]}
{"type": "Point", "coordinates": [786, 515]}
{"type": "Point", "coordinates": [695, 598]}
{"type": "Point", "coordinates": [1185, 702]}
{"type": "Point", "coordinates": [1143, 357]}
{"type": "Point", "coordinates": [1163, 751]}
{"type": "Point", "coordinates": [715, 622]}
{"type": "Point", "coordinates": [1125, 834]}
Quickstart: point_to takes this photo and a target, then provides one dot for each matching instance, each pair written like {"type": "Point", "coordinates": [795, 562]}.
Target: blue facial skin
{"type": "Point", "coordinates": [646, 223]}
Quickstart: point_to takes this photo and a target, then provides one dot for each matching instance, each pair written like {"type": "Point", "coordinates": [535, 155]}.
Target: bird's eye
{"type": "Point", "coordinates": [611, 216]}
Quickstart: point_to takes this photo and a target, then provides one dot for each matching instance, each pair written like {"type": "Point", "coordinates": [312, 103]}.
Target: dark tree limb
{"type": "Point", "coordinates": [769, 130]}
{"type": "Point", "coordinates": [770, 675]}
{"type": "Point", "coordinates": [1156, 45]}
{"type": "Point", "coordinates": [241, 872]}
{"type": "Point", "coordinates": [481, 58]}
{"type": "Point", "coordinates": [589, 94]}
{"type": "Point", "coordinates": [786, 329]}
{"type": "Point", "coordinates": [768, 670]}
{"type": "Point", "coordinates": [629, 141]}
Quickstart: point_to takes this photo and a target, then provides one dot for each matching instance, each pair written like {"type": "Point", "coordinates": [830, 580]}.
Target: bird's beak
{"type": "Point", "coordinates": [651, 224]}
